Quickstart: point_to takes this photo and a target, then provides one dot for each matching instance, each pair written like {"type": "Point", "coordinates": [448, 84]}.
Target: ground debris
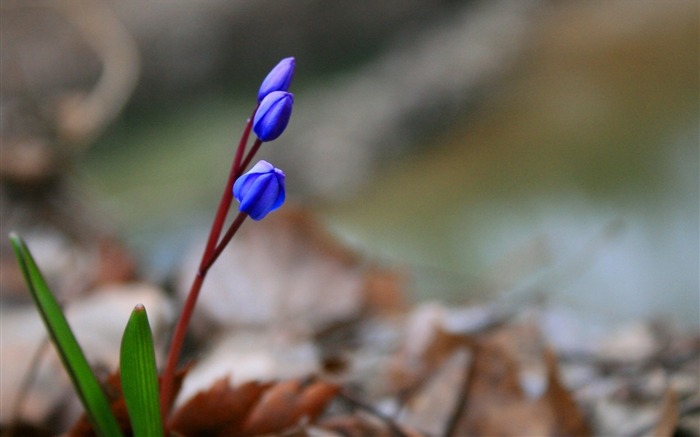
{"type": "Point", "coordinates": [253, 408]}
{"type": "Point", "coordinates": [506, 378]}
{"type": "Point", "coordinates": [323, 363]}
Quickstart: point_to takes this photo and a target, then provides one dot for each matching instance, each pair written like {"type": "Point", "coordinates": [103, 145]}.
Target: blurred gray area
{"type": "Point", "coordinates": [386, 73]}
{"type": "Point", "coordinates": [193, 47]}
{"type": "Point", "coordinates": [510, 148]}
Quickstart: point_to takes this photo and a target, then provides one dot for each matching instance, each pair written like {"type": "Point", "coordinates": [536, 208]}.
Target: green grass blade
{"type": "Point", "coordinates": [139, 376]}
{"type": "Point", "coordinates": [84, 380]}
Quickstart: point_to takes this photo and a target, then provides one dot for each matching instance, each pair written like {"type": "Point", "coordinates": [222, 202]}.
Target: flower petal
{"type": "Point", "coordinates": [273, 115]}
{"type": "Point", "coordinates": [278, 79]}
{"type": "Point", "coordinates": [260, 191]}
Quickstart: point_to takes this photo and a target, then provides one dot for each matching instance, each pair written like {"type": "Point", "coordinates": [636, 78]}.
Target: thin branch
{"type": "Point", "coordinates": [25, 386]}
{"type": "Point", "coordinates": [463, 398]}
{"type": "Point", "coordinates": [394, 428]}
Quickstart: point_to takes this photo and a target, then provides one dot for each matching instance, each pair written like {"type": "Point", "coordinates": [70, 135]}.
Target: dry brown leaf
{"type": "Point", "coordinates": [493, 391]}
{"type": "Point", "coordinates": [251, 409]}
{"type": "Point", "coordinates": [668, 420]}
{"type": "Point", "coordinates": [289, 271]}
{"type": "Point", "coordinates": [487, 394]}
{"type": "Point", "coordinates": [383, 292]}
{"type": "Point", "coordinates": [220, 407]}
{"type": "Point", "coordinates": [363, 425]}
{"type": "Point", "coordinates": [275, 410]}
{"type": "Point", "coordinates": [429, 409]}
{"type": "Point", "coordinates": [314, 399]}
{"type": "Point", "coordinates": [496, 404]}
{"type": "Point", "coordinates": [265, 355]}
{"type": "Point", "coordinates": [568, 419]}
{"type": "Point", "coordinates": [426, 346]}
{"type": "Point", "coordinates": [285, 404]}
{"type": "Point", "coordinates": [355, 426]}
{"type": "Point", "coordinates": [443, 346]}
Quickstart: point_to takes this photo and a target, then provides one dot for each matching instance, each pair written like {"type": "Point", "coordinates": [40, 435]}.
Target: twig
{"type": "Point", "coordinates": [462, 400]}
{"type": "Point", "coordinates": [25, 386]}
{"type": "Point", "coordinates": [689, 406]}
{"type": "Point", "coordinates": [395, 430]}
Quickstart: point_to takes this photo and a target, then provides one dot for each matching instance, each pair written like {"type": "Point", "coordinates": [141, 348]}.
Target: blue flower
{"type": "Point", "coordinates": [260, 191]}
{"type": "Point", "coordinates": [278, 79]}
{"type": "Point", "coordinates": [273, 115]}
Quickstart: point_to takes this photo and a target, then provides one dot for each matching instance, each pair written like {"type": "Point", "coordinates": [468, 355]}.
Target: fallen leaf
{"type": "Point", "coordinates": [668, 420]}
{"type": "Point", "coordinates": [220, 407]}
{"type": "Point", "coordinates": [288, 271]}
{"type": "Point", "coordinates": [263, 355]}
{"type": "Point", "coordinates": [356, 425]}
{"type": "Point", "coordinates": [493, 393]}
{"type": "Point", "coordinates": [286, 403]}
{"type": "Point", "coordinates": [383, 291]}
{"type": "Point", "coordinates": [426, 344]}
{"type": "Point", "coordinates": [252, 408]}
{"type": "Point", "coordinates": [430, 408]}
{"type": "Point", "coordinates": [362, 424]}
{"type": "Point", "coordinates": [569, 420]}
{"type": "Point", "coordinates": [486, 397]}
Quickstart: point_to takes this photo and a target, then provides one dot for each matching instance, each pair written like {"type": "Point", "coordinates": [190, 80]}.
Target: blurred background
{"type": "Point", "coordinates": [492, 149]}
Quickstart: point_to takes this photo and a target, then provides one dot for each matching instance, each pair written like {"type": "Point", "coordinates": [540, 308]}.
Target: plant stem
{"type": "Point", "coordinates": [227, 196]}
{"type": "Point", "coordinates": [249, 157]}
{"type": "Point", "coordinates": [166, 394]}
{"type": "Point", "coordinates": [241, 145]}
{"type": "Point", "coordinates": [225, 240]}
{"type": "Point", "coordinates": [208, 258]}
{"type": "Point", "coordinates": [166, 389]}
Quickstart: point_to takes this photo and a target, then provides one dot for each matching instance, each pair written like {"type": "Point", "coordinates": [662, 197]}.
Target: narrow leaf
{"type": "Point", "coordinates": [84, 380]}
{"type": "Point", "coordinates": [139, 376]}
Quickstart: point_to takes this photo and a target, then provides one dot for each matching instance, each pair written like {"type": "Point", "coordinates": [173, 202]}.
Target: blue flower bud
{"type": "Point", "coordinates": [260, 191]}
{"type": "Point", "coordinates": [273, 115]}
{"type": "Point", "coordinates": [278, 79]}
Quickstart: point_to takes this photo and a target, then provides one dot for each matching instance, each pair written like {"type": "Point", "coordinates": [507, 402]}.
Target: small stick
{"type": "Point", "coordinates": [25, 386]}
{"type": "Point", "coordinates": [462, 400]}
{"type": "Point", "coordinates": [393, 427]}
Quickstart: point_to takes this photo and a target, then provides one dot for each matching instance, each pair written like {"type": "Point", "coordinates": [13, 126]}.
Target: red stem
{"type": "Point", "coordinates": [249, 157]}
{"type": "Point", "coordinates": [166, 389]}
{"type": "Point", "coordinates": [208, 258]}
{"type": "Point", "coordinates": [227, 196]}
{"type": "Point", "coordinates": [166, 394]}
{"type": "Point", "coordinates": [241, 146]}
{"type": "Point", "coordinates": [226, 238]}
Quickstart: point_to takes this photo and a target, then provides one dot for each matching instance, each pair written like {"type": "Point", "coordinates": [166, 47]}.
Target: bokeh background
{"type": "Point", "coordinates": [491, 149]}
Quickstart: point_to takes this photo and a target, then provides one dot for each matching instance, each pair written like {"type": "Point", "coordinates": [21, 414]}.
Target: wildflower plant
{"type": "Point", "coordinates": [258, 192]}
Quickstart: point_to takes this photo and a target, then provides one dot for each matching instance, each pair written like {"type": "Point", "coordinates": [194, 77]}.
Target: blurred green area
{"type": "Point", "coordinates": [168, 163]}
{"type": "Point", "coordinates": [576, 178]}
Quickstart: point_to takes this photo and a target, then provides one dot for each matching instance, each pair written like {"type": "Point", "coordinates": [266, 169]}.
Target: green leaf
{"type": "Point", "coordinates": [139, 376]}
{"type": "Point", "coordinates": [84, 381]}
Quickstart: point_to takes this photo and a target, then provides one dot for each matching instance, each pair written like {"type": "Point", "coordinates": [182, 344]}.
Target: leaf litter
{"type": "Point", "coordinates": [368, 363]}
